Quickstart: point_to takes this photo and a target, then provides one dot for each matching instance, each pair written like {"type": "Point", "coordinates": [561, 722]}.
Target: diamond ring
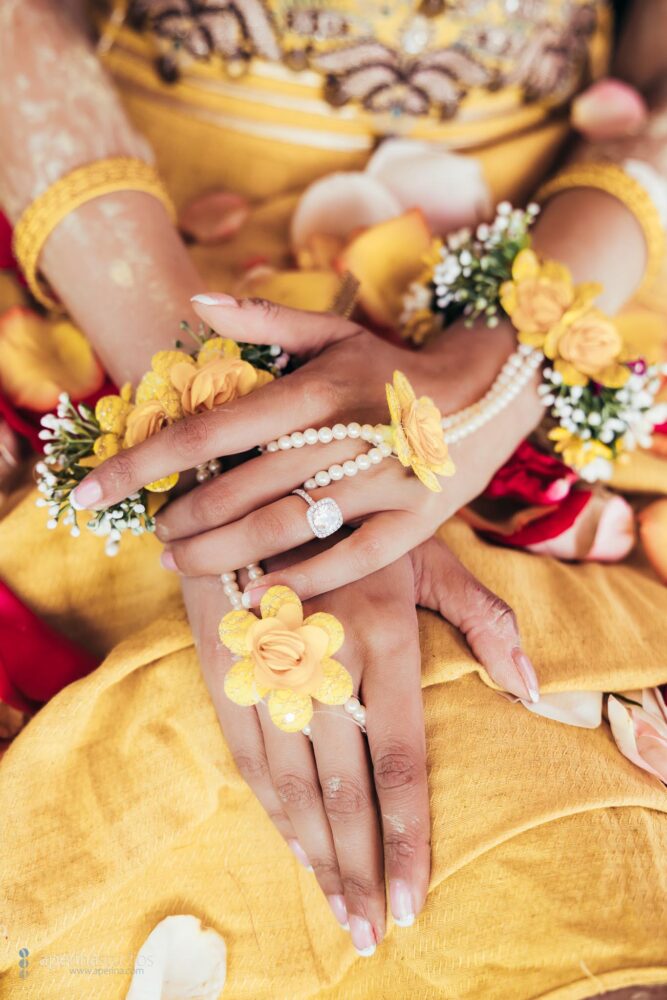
{"type": "Point", "coordinates": [324, 516]}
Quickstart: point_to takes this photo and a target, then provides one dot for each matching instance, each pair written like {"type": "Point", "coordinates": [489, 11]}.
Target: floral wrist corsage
{"type": "Point", "coordinates": [77, 438]}
{"type": "Point", "coordinates": [600, 393]}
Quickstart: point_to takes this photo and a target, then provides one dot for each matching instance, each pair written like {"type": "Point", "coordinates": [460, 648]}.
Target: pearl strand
{"type": "Point", "coordinates": [325, 435]}
{"type": "Point", "coordinates": [364, 461]}
{"type": "Point", "coordinates": [230, 584]}
{"type": "Point", "coordinates": [208, 470]}
{"type": "Point", "coordinates": [512, 379]}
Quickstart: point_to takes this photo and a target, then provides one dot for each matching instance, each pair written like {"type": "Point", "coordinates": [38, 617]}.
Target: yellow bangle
{"type": "Point", "coordinates": [615, 181]}
{"type": "Point", "coordinates": [118, 173]}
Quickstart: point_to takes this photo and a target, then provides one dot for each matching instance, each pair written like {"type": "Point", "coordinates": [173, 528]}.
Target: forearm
{"type": "Point", "coordinates": [117, 262]}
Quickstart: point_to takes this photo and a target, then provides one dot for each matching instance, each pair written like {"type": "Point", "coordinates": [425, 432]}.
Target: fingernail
{"type": "Point", "coordinates": [362, 935]}
{"type": "Point", "coordinates": [214, 299]}
{"type": "Point", "coordinates": [162, 531]}
{"type": "Point", "coordinates": [527, 674]}
{"type": "Point", "coordinates": [86, 494]}
{"type": "Point", "coordinates": [339, 910]}
{"type": "Point", "coordinates": [400, 897]}
{"type": "Point", "coordinates": [168, 561]}
{"type": "Point", "coordinates": [300, 855]}
{"type": "Point", "coordinates": [252, 596]}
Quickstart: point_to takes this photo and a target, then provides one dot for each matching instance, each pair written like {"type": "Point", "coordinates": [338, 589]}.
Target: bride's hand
{"type": "Point", "coordinates": [248, 514]}
{"type": "Point", "coordinates": [353, 816]}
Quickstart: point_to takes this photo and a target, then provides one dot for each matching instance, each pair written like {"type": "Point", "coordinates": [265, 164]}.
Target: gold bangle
{"type": "Point", "coordinates": [117, 173]}
{"type": "Point", "coordinates": [615, 181]}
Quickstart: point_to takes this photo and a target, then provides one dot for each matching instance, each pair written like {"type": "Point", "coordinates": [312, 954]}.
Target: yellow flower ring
{"type": "Point", "coordinates": [416, 433]}
{"type": "Point", "coordinates": [287, 660]}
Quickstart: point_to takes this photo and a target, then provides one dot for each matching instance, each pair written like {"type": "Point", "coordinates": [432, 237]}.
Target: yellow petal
{"type": "Point", "coordinates": [262, 377]}
{"type": "Point", "coordinates": [571, 375]}
{"type": "Point", "coordinates": [401, 447]}
{"type": "Point", "coordinates": [508, 298]}
{"type": "Point", "coordinates": [550, 345]}
{"type": "Point", "coordinates": [392, 402]}
{"type": "Point", "coordinates": [163, 485]}
{"type": "Point", "coordinates": [106, 446]}
{"type": "Point", "coordinates": [233, 630]}
{"type": "Point", "coordinates": [89, 462]}
{"type": "Point", "coordinates": [290, 711]}
{"type": "Point", "coordinates": [532, 339]}
{"type": "Point", "coordinates": [586, 293]}
{"type": "Point", "coordinates": [126, 392]}
{"type": "Point", "coordinates": [111, 413]}
{"type": "Point", "coordinates": [240, 684]}
{"type": "Point", "coordinates": [559, 434]}
{"type": "Point", "coordinates": [155, 386]}
{"type": "Point", "coordinates": [447, 468]}
{"type": "Point", "coordinates": [553, 271]}
{"type": "Point", "coordinates": [526, 265]}
{"type": "Point", "coordinates": [222, 347]}
{"type": "Point", "coordinates": [336, 685]}
{"type": "Point", "coordinates": [275, 598]}
{"type": "Point", "coordinates": [164, 361]}
{"type": "Point", "coordinates": [614, 376]}
{"type": "Point", "coordinates": [333, 628]}
{"type": "Point", "coordinates": [404, 391]}
{"type": "Point", "coordinates": [427, 477]}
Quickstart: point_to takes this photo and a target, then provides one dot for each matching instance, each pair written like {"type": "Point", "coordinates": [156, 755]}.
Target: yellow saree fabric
{"type": "Point", "coordinates": [120, 803]}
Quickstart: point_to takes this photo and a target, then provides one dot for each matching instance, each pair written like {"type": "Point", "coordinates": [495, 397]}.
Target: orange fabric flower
{"type": "Point", "coordinates": [587, 345]}
{"type": "Point", "coordinates": [215, 383]}
{"type": "Point", "coordinates": [286, 658]}
{"type": "Point", "coordinates": [416, 433]}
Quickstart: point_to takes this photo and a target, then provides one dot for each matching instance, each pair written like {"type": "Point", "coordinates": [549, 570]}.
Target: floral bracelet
{"type": "Point", "coordinates": [600, 392]}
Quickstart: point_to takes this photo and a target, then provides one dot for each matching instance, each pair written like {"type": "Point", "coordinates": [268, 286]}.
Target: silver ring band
{"type": "Point", "coordinates": [324, 516]}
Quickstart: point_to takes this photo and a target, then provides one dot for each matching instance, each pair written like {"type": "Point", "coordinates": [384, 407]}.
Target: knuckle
{"type": "Point", "coordinates": [325, 868]}
{"type": "Point", "coordinates": [295, 791]}
{"type": "Point", "coordinates": [267, 527]}
{"type": "Point", "coordinates": [271, 310]}
{"type": "Point", "coordinates": [343, 798]}
{"type": "Point", "coordinates": [401, 848]}
{"type": "Point", "coordinates": [252, 765]}
{"type": "Point", "coordinates": [209, 501]}
{"type": "Point", "coordinates": [487, 609]}
{"type": "Point", "coordinates": [360, 886]}
{"type": "Point", "coordinates": [366, 551]}
{"type": "Point", "coordinates": [189, 435]}
{"type": "Point", "coordinates": [185, 557]}
{"type": "Point", "coordinates": [120, 471]}
{"type": "Point", "coordinates": [396, 766]}
{"type": "Point", "coordinates": [322, 391]}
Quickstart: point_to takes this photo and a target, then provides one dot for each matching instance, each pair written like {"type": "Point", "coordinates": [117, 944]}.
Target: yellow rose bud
{"type": "Point", "coordinates": [286, 653]}
{"type": "Point", "coordinates": [144, 421]}
{"type": "Point", "coordinates": [213, 384]}
{"type": "Point", "coordinates": [590, 343]}
{"type": "Point", "coordinates": [423, 430]}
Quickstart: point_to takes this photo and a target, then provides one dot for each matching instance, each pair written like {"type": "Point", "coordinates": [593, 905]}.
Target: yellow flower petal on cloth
{"type": "Point", "coordinates": [427, 477]}
{"type": "Point", "coordinates": [290, 711]}
{"type": "Point", "coordinates": [233, 630]}
{"type": "Point", "coordinates": [163, 485]}
{"type": "Point", "coordinates": [106, 446]}
{"type": "Point", "coordinates": [218, 347]}
{"type": "Point", "coordinates": [111, 413]}
{"type": "Point", "coordinates": [240, 686]}
{"type": "Point", "coordinates": [333, 628]}
{"type": "Point", "coordinates": [276, 598]}
{"type": "Point", "coordinates": [336, 685]}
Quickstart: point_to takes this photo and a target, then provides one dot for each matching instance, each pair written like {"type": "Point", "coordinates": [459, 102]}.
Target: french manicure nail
{"type": "Point", "coordinates": [168, 560]}
{"type": "Point", "coordinates": [362, 935]}
{"type": "Point", "coordinates": [527, 674]}
{"type": "Point", "coordinates": [252, 596]}
{"type": "Point", "coordinates": [214, 299]}
{"type": "Point", "coordinates": [300, 855]}
{"type": "Point", "coordinates": [86, 494]}
{"type": "Point", "coordinates": [339, 910]}
{"type": "Point", "coordinates": [402, 907]}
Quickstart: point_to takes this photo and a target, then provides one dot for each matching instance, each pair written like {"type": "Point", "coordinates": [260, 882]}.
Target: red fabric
{"type": "Point", "coordinates": [35, 661]}
{"type": "Point", "coordinates": [7, 261]}
{"type": "Point", "coordinates": [550, 526]}
{"type": "Point", "coordinates": [532, 476]}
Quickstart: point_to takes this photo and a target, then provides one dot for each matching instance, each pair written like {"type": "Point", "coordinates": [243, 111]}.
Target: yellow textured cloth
{"type": "Point", "coordinates": [120, 803]}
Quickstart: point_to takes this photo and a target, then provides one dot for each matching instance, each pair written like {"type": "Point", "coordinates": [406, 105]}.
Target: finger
{"type": "Point", "coordinates": [609, 109]}
{"type": "Point", "coordinates": [379, 541]}
{"type": "Point", "coordinates": [295, 779]}
{"type": "Point", "coordinates": [252, 485]}
{"type": "Point", "coordinates": [206, 604]}
{"type": "Point", "coordinates": [279, 527]}
{"type": "Point", "coordinates": [486, 621]}
{"type": "Point", "coordinates": [259, 321]}
{"type": "Point", "coordinates": [349, 800]}
{"type": "Point", "coordinates": [229, 430]}
{"type": "Point", "coordinates": [391, 691]}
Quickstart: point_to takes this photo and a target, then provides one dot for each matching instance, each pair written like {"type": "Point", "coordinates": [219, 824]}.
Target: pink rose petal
{"type": "Point", "coordinates": [339, 204]}
{"type": "Point", "coordinates": [213, 218]}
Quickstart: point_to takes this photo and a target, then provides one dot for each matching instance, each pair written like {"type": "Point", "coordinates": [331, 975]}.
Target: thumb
{"type": "Point", "coordinates": [609, 109]}
{"type": "Point", "coordinates": [259, 321]}
{"type": "Point", "coordinates": [489, 625]}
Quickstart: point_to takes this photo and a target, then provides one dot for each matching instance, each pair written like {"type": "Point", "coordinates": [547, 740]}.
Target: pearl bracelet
{"type": "Point", "coordinates": [339, 432]}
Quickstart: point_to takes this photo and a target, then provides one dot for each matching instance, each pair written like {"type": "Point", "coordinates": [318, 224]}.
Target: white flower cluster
{"type": "Point", "coordinates": [623, 419]}
{"type": "Point", "coordinates": [69, 436]}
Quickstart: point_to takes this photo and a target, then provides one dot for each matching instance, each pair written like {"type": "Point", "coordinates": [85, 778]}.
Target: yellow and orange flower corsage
{"type": "Point", "coordinates": [416, 433]}
{"type": "Point", "coordinates": [285, 659]}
